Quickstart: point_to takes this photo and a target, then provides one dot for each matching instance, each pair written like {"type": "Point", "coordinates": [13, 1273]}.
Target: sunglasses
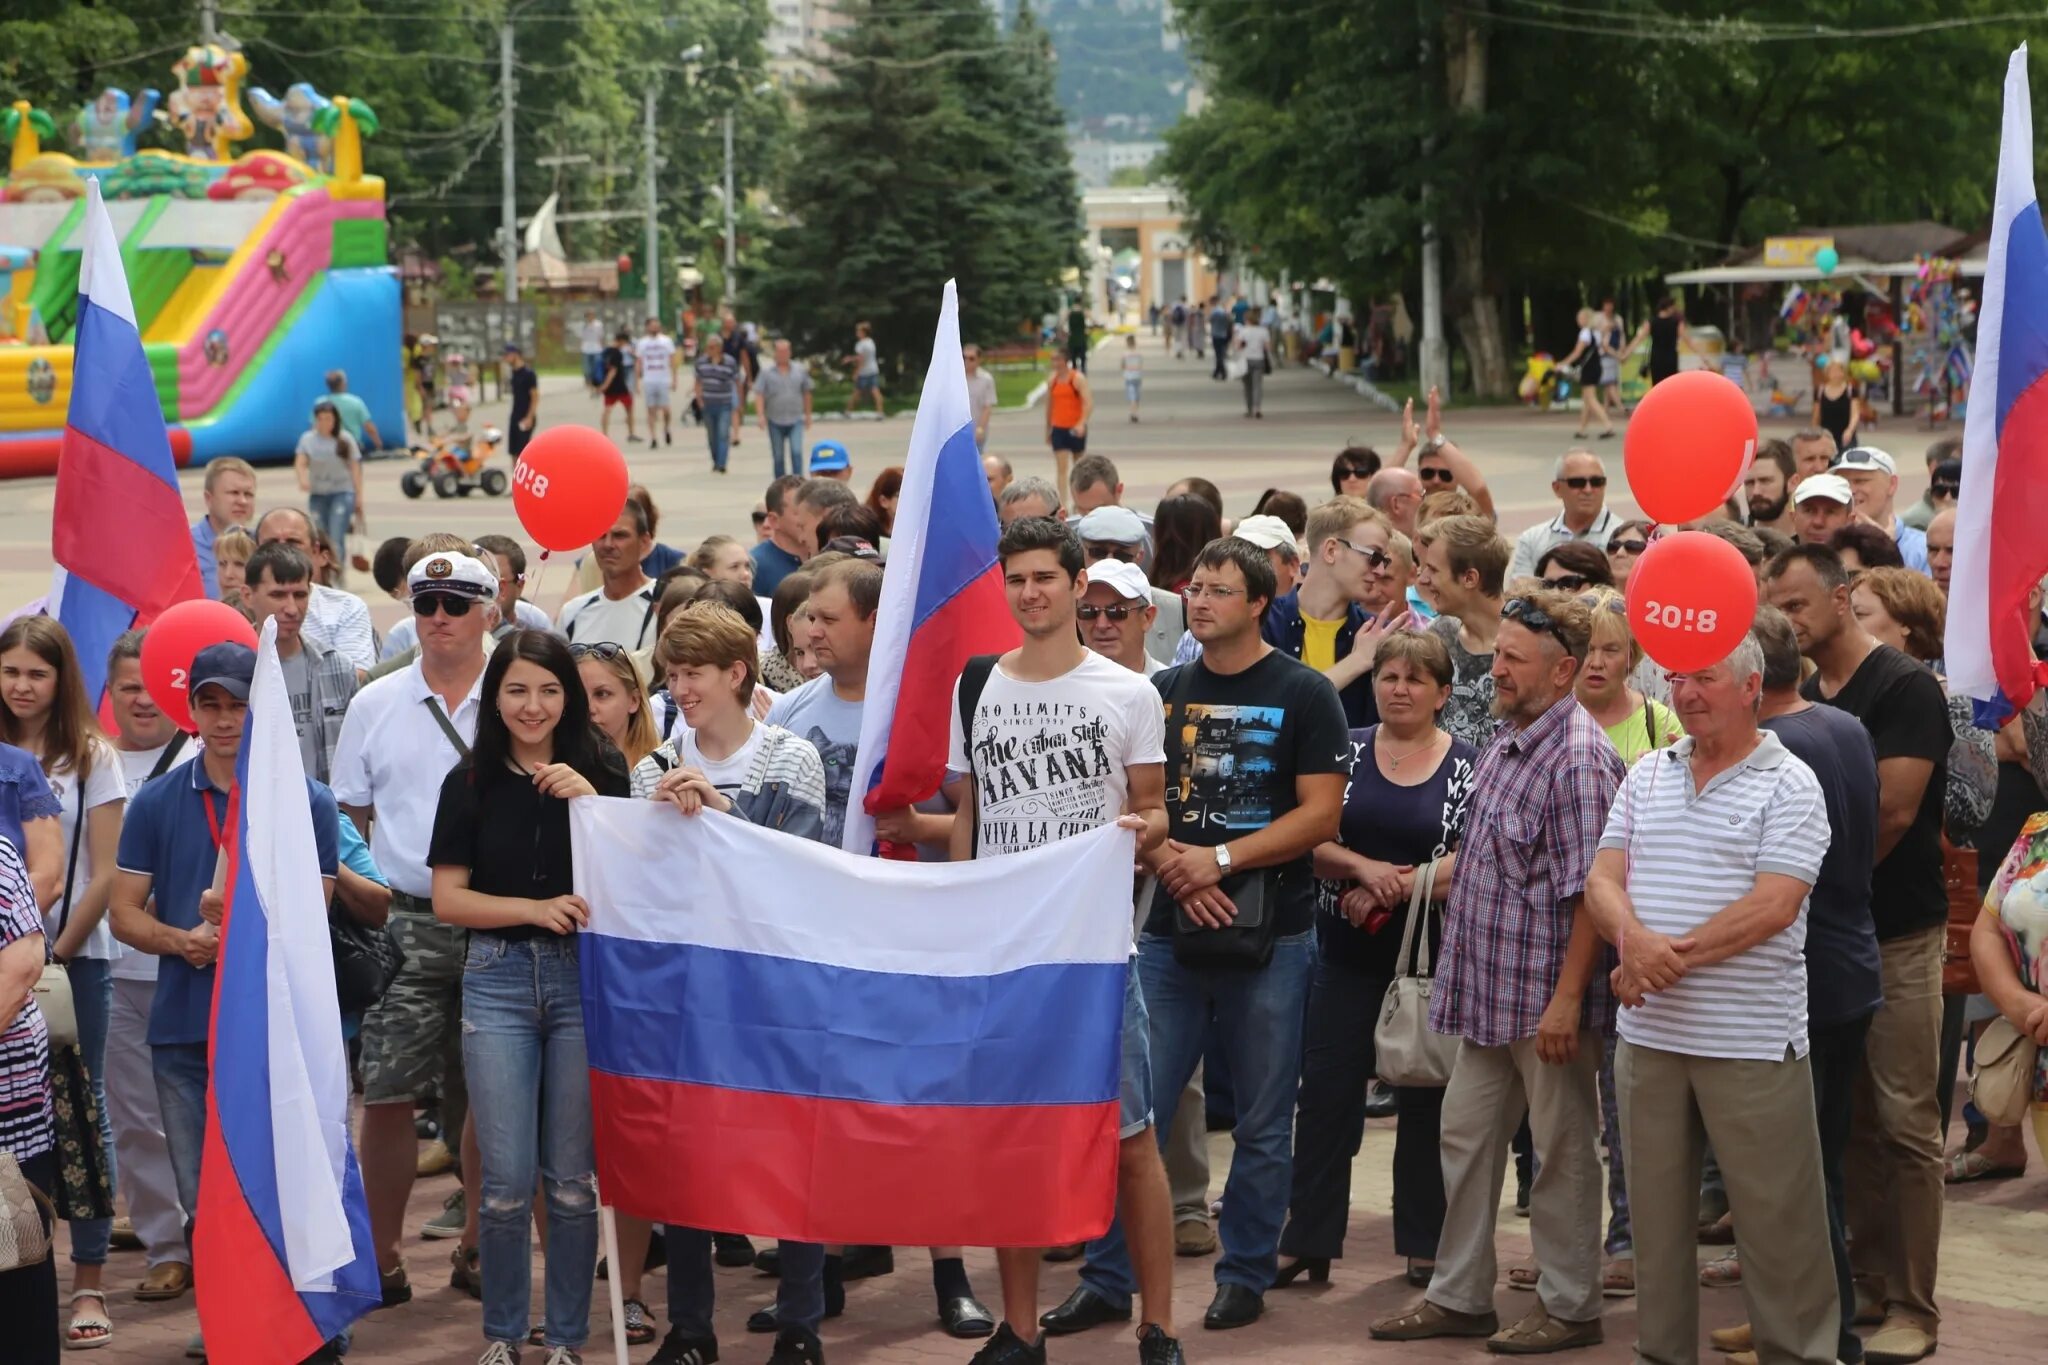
{"type": "Point", "coordinates": [1581, 482]}
{"type": "Point", "coordinates": [760, 517]}
{"type": "Point", "coordinates": [1634, 547]}
{"type": "Point", "coordinates": [1374, 559]}
{"type": "Point", "coordinates": [1524, 612]}
{"type": "Point", "coordinates": [1127, 554]}
{"type": "Point", "coordinates": [603, 649]}
{"type": "Point", "coordinates": [1436, 474]}
{"type": "Point", "coordinates": [424, 603]}
{"type": "Point", "coordinates": [1087, 611]}
{"type": "Point", "coordinates": [1569, 582]}
{"type": "Point", "coordinates": [1353, 471]}
{"type": "Point", "coordinates": [1944, 490]}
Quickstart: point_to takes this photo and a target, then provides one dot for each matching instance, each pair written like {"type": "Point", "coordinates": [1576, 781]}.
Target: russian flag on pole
{"type": "Point", "coordinates": [283, 1258]}
{"type": "Point", "coordinates": [942, 598]}
{"type": "Point", "coordinates": [119, 539]}
{"type": "Point", "coordinates": [854, 1049]}
{"type": "Point", "coordinates": [2001, 543]}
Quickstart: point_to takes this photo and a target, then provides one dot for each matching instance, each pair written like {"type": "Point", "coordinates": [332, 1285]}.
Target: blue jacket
{"type": "Point", "coordinates": [1283, 630]}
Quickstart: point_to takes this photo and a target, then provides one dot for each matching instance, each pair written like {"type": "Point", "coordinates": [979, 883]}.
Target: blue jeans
{"type": "Point", "coordinates": [92, 996]}
{"type": "Point", "coordinates": [180, 1070]}
{"type": "Point", "coordinates": [332, 512]}
{"type": "Point", "coordinates": [529, 1094]}
{"type": "Point", "coordinates": [693, 1291]}
{"type": "Point", "coordinates": [593, 369]}
{"type": "Point", "coordinates": [1260, 1015]}
{"type": "Point", "coordinates": [790, 435]}
{"type": "Point", "coordinates": [718, 430]}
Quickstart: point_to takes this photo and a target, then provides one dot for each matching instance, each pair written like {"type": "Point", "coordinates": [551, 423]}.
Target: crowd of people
{"type": "Point", "coordinates": [1684, 937]}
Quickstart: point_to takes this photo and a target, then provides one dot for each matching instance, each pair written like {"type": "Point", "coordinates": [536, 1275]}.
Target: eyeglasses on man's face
{"type": "Point", "coordinates": [1436, 474]}
{"type": "Point", "coordinates": [1088, 611]}
{"type": "Point", "coordinates": [1579, 483]}
{"type": "Point", "coordinates": [426, 603]}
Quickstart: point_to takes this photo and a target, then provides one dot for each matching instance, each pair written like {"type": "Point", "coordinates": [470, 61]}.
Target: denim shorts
{"type": "Point", "coordinates": [1134, 1092]}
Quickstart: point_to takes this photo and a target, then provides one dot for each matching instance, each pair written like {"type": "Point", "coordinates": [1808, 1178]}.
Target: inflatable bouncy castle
{"type": "Point", "coordinates": [252, 275]}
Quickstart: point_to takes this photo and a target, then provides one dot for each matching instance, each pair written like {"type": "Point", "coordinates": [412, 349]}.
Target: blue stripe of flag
{"type": "Point", "coordinates": [961, 534]}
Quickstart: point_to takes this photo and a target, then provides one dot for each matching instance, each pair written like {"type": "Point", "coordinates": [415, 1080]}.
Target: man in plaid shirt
{"type": "Point", "coordinates": [1522, 981]}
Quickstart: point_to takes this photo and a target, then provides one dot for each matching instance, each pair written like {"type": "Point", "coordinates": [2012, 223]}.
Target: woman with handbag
{"type": "Point", "coordinates": [501, 861]}
{"type": "Point", "coordinates": [1379, 886]}
{"type": "Point", "coordinates": [28, 1140]}
{"type": "Point", "coordinates": [43, 709]}
{"type": "Point", "coordinates": [2009, 946]}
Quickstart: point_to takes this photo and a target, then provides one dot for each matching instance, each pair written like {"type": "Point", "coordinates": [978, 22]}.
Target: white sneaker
{"type": "Point", "coordinates": [499, 1353]}
{"type": "Point", "coordinates": [562, 1355]}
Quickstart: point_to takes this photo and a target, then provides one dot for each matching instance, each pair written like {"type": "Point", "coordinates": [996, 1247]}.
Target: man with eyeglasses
{"type": "Point", "coordinates": [1579, 482]}
{"type": "Point", "coordinates": [1116, 533]}
{"type": "Point", "coordinates": [1116, 612]}
{"type": "Point", "coordinates": [1874, 478]}
{"type": "Point", "coordinates": [400, 731]}
{"type": "Point", "coordinates": [1522, 983]}
{"type": "Point", "coordinates": [1324, 622]}
{"type": "Point", "coordinates": [1944, 482]}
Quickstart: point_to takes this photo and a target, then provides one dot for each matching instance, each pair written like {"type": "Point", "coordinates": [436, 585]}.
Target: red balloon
{"type": "Point", "coordinates": [172, 641]}
{"type": "Point", "coordinates": [1688, 445]}
{"type": "Point", "coordinates": [1691, 599]}
{"type": "Point", "coordinates": [568, 487]}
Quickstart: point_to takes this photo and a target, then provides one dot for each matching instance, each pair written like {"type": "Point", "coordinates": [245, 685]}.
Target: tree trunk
{"type": "Point", "coordinates": [1478, 302]}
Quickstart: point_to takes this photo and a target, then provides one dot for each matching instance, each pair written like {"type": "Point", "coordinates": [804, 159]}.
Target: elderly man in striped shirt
{"type": "Point", "coordinates": [1702, 882]}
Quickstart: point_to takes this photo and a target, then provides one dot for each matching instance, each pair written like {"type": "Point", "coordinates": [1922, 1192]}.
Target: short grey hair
{"type": "Point", "coordinates": [1557, 470]}
{"type": "Point", "coordinates": [1816, 434]}
{"type": "Point", "coordinates": [1747, 657]}
{"type": "Point", "coordinates": [1031, 486]}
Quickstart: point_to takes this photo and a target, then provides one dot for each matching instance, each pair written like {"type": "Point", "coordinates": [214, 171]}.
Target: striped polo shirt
{"type": "Point", "coordinates": [1693, 853]}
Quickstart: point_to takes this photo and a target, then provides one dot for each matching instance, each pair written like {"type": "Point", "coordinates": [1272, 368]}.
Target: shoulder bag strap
{"type": "Point", "coordinates": [447, 726]}
{"type": "Point", "coordinates": [1418, 899]}
{"type": "Point", "coordinates": [1649, 726]}
{"type": "Point", "coordinates": [169, 756]}
{"type": "Point", "coordinates": [71, 866]}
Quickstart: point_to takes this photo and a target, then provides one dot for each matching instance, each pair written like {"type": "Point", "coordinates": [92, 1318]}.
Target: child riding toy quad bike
{"type": "Point", "coordinates": [454, 465]}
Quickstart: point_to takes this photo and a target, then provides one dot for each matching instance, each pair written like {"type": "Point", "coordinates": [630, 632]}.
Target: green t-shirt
{"type": "Point", "coordinates": [353, 412]}
{"type": "Point", "coordinates": [1653, 725]}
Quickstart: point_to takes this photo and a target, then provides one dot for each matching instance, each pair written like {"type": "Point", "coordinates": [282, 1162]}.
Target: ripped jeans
{"type": "Point", "coordinates": [522, 1046]}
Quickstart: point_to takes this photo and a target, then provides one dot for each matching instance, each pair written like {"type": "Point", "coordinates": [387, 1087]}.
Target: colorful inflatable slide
{"type": "Point", "coordinates": [252, 276]}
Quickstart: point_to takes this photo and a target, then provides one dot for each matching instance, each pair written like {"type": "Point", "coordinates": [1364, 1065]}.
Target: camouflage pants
{"type": "Point", "coordinates": [412, 1037]}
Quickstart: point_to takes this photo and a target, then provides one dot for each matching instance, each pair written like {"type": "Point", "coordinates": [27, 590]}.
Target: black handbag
{"type": "Point", "coordinates": [366, 960]}
{"type": "Point", "coordinates": [1247, 941]}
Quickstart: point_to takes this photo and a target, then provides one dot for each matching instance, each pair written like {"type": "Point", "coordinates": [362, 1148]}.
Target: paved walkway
{"type": "Point", "coordinates": [1995, 1301]}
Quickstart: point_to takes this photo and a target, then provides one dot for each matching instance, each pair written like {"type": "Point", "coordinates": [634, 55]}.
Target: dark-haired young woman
{"type": "Point", "coordinates": [501, 862]}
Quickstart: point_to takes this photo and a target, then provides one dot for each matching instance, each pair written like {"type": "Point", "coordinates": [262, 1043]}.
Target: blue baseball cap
{"type": "Point", "coordinates": [830, 456]}
{"type": "Point", "coordinates": [228, 666]}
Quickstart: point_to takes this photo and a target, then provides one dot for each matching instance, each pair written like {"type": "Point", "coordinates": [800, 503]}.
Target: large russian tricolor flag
{"type": "Point", "coordinates": [2002, 517]}
{"type": "Point", "coordinates": [942, 597]}
{"type": "Point", "coordinates": [851, 1049]}
{"type": "Point", "coordinates": [282, 1254]}
{"type": "Point", "coordinates": [119, 538]}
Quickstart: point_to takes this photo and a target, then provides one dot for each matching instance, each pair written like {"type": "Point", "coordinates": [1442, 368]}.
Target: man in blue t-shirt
{"type": "Point", "coordinates": [172, 839]}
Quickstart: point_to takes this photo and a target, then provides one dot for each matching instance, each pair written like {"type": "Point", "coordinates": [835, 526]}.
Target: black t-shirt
{"type": "Point", "coordinates": [524, 382]}
{"type": "Point", "coordinates": [1900, 703]}
{"type": "Point", "coordinates": [1843, 974]}
{"type": "Point", "coordinates": [1235, 742]}
{"type": "Point", "coordinates": [618, 386]}
{"type": "Point", "coordinates": [1406, 826]}
{"type": "Point", "coordinates": [513, 840]}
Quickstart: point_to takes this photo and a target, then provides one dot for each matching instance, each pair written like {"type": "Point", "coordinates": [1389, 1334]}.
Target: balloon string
{"type": "Point", "coordinates": [532, 593]}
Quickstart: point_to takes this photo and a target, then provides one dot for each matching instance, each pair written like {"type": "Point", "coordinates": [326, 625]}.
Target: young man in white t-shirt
{"type": "Point", "coordinates": [655, 355]}
{"type": "Point", "coordinates": [1059, 741]}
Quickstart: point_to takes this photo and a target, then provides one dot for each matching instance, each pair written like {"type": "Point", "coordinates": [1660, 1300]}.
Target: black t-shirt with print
{"type": "Point", "coordinates": [513, 840]}
{"type": "Point", "coordinates": [1235, 743]}
{"type": "Point", "coordinates": [1900, 702]}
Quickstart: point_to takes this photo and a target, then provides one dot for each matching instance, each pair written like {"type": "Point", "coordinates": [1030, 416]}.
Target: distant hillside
{"type": "Point", "coordinates": [1122, 74]}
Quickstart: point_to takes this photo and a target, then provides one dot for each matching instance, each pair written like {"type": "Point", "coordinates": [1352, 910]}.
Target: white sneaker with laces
{"type": "Point", "coordinates": [499, 1353]}
{"type": "Point", "coordinates": [562, 1355]}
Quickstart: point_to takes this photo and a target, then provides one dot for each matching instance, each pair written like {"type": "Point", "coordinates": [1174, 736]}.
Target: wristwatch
{"type": "Point", "coordinates": [1223, 859]}
{"type": "Point", "coordinates": [1432, 444]}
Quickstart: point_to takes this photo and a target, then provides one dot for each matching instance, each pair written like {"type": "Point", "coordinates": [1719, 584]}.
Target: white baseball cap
{"type": "Point", "coordinates": [1864, 458]}
{"type": "Point", "coordinates": [1121, 576]}
{"type": "Point", "coordinates": [1266, 532]}
{"type": "Point", "coordinates": [1833, 487]}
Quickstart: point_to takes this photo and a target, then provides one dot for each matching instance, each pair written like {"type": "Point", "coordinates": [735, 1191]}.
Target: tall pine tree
{"type": "Point", "coordinates": [921, 156]}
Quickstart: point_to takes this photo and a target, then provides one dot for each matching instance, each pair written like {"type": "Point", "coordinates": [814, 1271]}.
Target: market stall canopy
{"type": "Point", "coordinates": [1883, 249]}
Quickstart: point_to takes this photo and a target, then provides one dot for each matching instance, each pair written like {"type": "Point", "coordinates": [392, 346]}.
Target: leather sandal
{"type": "Point", "coordinates": [1540, 1334]}
{"type": "Point", "coordinates": [167, 1281]}
{"type": "Point", "coordinates": [1428, 1319]}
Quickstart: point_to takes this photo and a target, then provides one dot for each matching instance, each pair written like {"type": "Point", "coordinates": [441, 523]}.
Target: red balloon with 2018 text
{"type": "Point", "coordinates": [1691, 599]}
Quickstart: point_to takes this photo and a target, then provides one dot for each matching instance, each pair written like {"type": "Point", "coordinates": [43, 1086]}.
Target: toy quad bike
{"type": "Point", "coordinates": [454, 466]}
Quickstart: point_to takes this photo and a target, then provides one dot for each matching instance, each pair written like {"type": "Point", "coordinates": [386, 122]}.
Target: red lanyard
{"type": "Point", "coordinates": [213, 822]}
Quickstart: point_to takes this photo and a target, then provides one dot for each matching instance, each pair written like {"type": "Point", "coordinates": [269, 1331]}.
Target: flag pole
{"type": "Point", "coordinates": [609, 1228]}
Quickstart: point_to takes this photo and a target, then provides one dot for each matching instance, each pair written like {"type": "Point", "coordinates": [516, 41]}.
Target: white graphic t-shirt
{"type": "Point", "coordinates": [656, 355]}
{"type": "Point", "coordinates": [1048, 758]}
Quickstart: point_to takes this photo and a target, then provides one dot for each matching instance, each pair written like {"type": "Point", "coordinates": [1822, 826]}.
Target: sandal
{"type": "Point", "coordinates": [639, 1324]}
{"type": "Point", "coordinates": [89, 1330]}
{"type": "Point", "coordinates": [1723, 1272]}
{"type": "Point", "coordinates": [1540, 1334]}
{"type": "Point", "coordinates": [1434, 1320]}
{"type": "Point", "coordinates": [1620, 1280]}
{"type": "Point", "coordinates": [167, 1281]}
{"type": "Point", "coordinates": [1964, 1167]}
{"type": "Point", "coordinates": [1522, 1277]}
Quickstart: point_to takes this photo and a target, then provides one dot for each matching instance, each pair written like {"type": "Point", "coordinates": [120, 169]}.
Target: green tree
{"type": "Point", "coordinates": [922, 155]}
